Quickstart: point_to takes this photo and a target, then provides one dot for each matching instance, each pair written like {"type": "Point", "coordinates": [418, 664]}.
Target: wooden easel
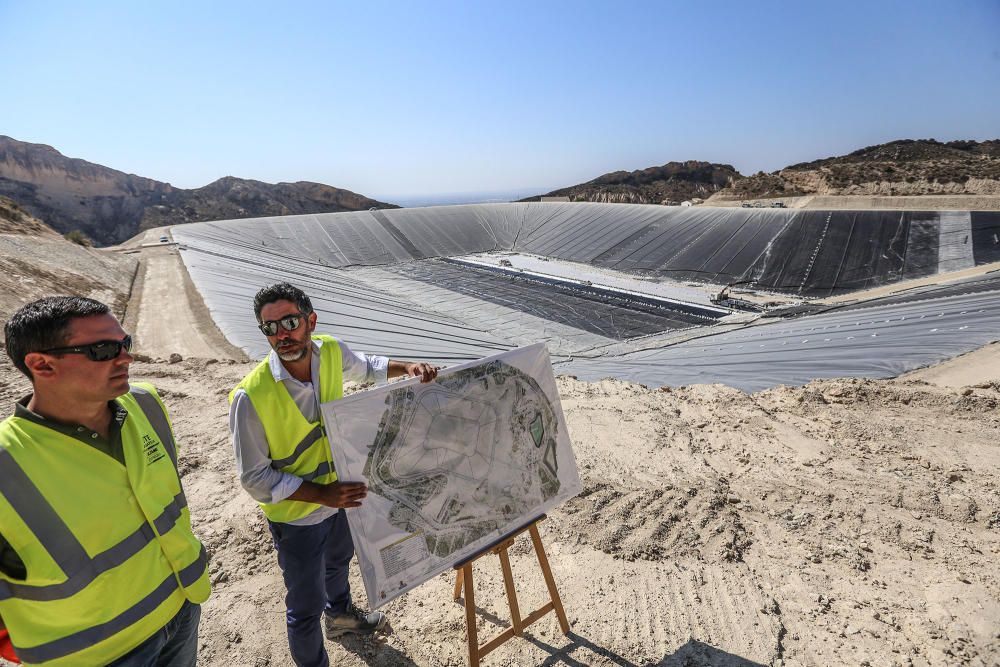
{"type": "Point", "coordinates": [518, 624]}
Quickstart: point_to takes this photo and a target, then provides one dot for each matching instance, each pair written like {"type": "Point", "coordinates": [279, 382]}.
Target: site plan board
{"type": "Point", "coordinates": [451, 465]}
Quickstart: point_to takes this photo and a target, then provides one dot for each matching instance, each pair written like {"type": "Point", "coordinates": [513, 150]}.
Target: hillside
{"type": "Point", "coordinates": [15, 220]}
{"type": "Point", "coordinates": [34, 264]}
{"type": "Point", "coordinates": [673, 182]}
{"type": "Point", "coordinates": [110, 206]}
{"type": "Point", "coordinates": [904, 167]}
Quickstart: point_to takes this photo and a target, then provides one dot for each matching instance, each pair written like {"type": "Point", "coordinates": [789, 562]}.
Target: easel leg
{"type": "Point", "coordinates": [458, 584]}
{"type": "Point", "coordinates": [463, 581]}
{"type": "Point", "coordinates": [470, 615]}
{"type": "Point", "coordinates": [508, 582]}
{"type": "Point", "coordinates": [543, 562]}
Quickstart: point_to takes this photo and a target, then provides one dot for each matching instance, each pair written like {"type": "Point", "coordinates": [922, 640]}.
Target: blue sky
{"type": "Point", "coordinates": [392, 99]}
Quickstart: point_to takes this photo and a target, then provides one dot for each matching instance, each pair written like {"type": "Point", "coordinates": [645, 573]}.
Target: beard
{"type": "Point", "coordinates": [287, 353]}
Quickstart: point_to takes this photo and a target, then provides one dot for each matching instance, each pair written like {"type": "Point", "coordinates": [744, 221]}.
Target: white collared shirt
{"type": "Point", "coordinates": [253, 462]}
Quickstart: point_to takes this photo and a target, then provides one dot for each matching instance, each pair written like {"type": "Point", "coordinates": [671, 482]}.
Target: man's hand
{"type": "Point", "coordinates": [413, 369]}
{"type": "Point", "coordinates": [335, 494]}
{"type": "Point", "coordinates": [422, 370]}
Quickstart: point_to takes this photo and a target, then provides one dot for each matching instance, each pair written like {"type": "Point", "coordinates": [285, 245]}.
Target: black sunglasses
{"type": "Point", "coordinates": [288, 323]}
{"type": "Point", "coordinates": [102, 350]}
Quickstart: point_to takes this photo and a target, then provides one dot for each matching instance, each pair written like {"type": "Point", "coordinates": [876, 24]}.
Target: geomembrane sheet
{"type": "Point", "coordinates": [612, 316]}
{"type": "Point", "coordinates": [880, 342]}
{"type": "Point", "coordinates": [812, 253]}
{"type": "Point", "coordinates": [408, 303]}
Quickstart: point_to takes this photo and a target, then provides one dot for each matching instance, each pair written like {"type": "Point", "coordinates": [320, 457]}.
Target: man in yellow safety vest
{"type": "Point", "coordinates": [98, 564]}
{"type": "Point", "coordinates": [285, 463]}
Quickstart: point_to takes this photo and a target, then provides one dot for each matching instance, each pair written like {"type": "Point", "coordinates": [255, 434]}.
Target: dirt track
{"type": "Point", "coordinates": [167, 314]}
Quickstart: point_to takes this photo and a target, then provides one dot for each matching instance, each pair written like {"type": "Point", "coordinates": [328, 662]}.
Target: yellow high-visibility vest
{"type": "Point", "coordinates": [295, 445]}
{"type": "Point", "coordinates": [108, 549]}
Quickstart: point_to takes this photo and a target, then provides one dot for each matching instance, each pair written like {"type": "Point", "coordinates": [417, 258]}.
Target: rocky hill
{"type": "Point", "coordinates": [15, 220]}
{"type": "Point", "coordinates": [110, 206]}
{"type": "Point", "coordinates": [673, 182]}
{"type": "Point", "coordinates": [904, 167]}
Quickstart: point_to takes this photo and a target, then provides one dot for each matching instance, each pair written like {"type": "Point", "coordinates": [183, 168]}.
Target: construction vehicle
{"type": "Point", "coordinates": [726, 301]}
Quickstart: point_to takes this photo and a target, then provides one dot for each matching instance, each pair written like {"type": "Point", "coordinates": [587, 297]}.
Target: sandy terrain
{"type": "Point", "coordinates": [969, 370]}
{"type": "Point", "coordinates": [847, 522]}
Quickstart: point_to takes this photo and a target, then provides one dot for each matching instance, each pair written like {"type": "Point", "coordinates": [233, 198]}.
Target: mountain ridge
{"type": "Point", "coordinates": [900, 167]}
{"type": "Point", "coordinates": [110, 206]}
{"type": "Point", "coordinates": [672, 182]}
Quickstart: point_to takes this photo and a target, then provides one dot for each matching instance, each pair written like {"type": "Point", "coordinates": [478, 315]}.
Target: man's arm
{"type": "Point", "coordinates": [335, 494]}
{"type": "Point", "coordinates": [267, 485]}
{"type": "Point", "coordinates": [253, 460]}
{"type": "Point", "coordinates": [369, 368]}
{"type": "Point", "coordinates": [426, 372]}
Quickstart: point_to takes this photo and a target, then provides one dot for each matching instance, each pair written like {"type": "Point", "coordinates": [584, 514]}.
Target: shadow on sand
{"type": "Point", "coordinates": [693, 653]}
{"type": "Point", "coordinates": [375, 651]}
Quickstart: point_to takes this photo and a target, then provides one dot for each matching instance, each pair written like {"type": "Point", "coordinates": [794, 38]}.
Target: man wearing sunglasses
{"type": "Point", "coordinates": [284, 461]}
{"type": "Point", "coordinates": [98, 563]}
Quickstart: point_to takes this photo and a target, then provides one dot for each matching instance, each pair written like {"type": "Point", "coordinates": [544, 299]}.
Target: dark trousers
{"type": "Point", "coordinates": [314, 563]}
{"type": "Point", "coordinates": [174, 645]}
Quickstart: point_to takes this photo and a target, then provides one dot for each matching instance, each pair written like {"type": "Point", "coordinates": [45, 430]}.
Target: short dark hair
{"type": "Point", "coordinates": [281, 292]}
{"type": "Point", "coordinates": [41, 325]}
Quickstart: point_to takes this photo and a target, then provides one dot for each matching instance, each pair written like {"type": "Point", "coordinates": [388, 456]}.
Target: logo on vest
{"type": "Point", "coordinates": [151, 446]}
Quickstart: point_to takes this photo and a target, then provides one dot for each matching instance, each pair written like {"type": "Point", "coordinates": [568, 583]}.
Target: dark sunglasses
{"type": "Point", "coordinates": [102, 350]}
{"type": "Point", "coordinates": [288, 323]}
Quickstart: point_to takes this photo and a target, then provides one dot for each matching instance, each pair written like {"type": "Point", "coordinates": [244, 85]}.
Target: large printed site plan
{"type": "Point", "coordinates": [465, 456]}
{"type": "Point", "coordinates": [451, 465]}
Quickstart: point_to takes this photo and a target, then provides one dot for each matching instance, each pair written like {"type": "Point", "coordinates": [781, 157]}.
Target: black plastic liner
{"type": "Point", "coordinates": [986, 237]}
{"type": "Point", "coordinates": [426, 308]}
{"type": "Point", "coordinates": [811, 253]}
{"type": "Point", "coordinates": [602, 313]}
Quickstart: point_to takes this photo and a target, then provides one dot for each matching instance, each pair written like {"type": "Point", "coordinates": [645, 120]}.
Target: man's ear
{"type": "Point", "coordinates": [39, 364]}
{"type": "Point", "coordinates": [312, 321]}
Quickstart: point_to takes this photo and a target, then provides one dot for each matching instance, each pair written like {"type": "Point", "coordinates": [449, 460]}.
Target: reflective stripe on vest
{"type": "Point", "coordinates": [78, 641]}
{"type": "Point", "coordinates": [300, 448]}
{"type": "Point", "coordinates": [96, 608]}
{"type": "Point", "coordinates": [295, 445]}
{"type": "Point", "coordinates": [85, 569]}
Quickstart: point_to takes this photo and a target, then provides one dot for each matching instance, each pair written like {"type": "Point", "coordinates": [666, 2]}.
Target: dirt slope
{"type": "Point", "coordinates": [35, 266]}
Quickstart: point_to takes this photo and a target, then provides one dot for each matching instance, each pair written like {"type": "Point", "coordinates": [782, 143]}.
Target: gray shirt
{"type": "Point", "coordinates": [253, 461]}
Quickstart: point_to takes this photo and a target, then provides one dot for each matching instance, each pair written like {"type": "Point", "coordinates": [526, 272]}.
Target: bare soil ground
{"type": "Point", "coordinates": [846, 522]}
